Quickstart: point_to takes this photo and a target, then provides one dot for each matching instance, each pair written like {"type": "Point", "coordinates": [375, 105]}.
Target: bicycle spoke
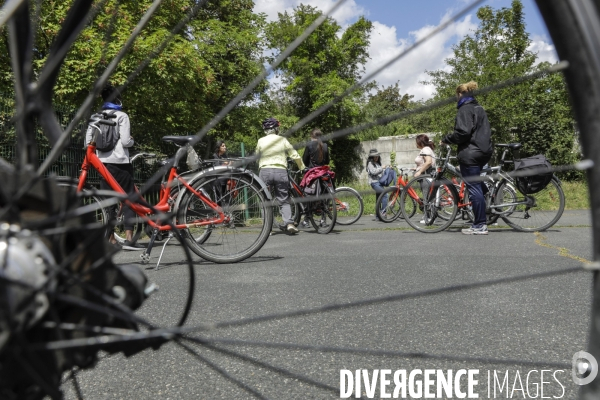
{"type": "Point", "coordinates": [380, 353]}
{"type": "Point", "coordinates": [222, 372]}
{"type": "Point", "coordinates": [265, 365]}
{"type": "Point", "coordinates": [76, 386]}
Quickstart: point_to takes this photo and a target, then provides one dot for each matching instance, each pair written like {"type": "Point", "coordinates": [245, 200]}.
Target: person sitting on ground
{"type": "Point", "coordinates": [375, 171]}
{"type": "Point", "coordinates": [273, 151]}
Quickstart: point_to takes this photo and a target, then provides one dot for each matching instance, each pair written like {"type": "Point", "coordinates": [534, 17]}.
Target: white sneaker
{"type": "Point", "coordinates": [476, 231]}
{"type": "Point", "coordinates": [291, 228]}
{"type": "Point", "coordinates": [422, 221]}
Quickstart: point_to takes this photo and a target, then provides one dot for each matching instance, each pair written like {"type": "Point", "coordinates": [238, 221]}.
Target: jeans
{"type": "Point", "coordinates": [477, 190]}
{"type": "Point", "coordinates": [277, 179]}
{"type": "Point", "coordinates": [379, 190]}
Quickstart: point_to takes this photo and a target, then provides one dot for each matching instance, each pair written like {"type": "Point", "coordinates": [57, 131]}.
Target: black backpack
{"type": "Point", "coordinates": [108, 136]}
{"type": "Point", "coordinates": [541, 174]}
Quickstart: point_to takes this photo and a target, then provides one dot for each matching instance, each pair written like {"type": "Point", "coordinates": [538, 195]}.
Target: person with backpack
{"type": "Point", "coordinates": [112, 148]}
{"type": "Point", "coordinates": [273, 151]}
{"type": "Point", "coordinates": [473, 135]}
{"type": "Point", "coordinates": [375, 172]}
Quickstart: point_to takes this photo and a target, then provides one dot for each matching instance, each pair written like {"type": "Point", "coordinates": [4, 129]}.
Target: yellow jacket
{"type": "Point", "coordinates": [274, 150]}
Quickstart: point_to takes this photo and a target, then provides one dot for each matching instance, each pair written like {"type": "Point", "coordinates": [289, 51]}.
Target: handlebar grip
{"type": "Point", "coordinates": [109, 115]}
{"type": "Point", "coordinates": [107, 122]}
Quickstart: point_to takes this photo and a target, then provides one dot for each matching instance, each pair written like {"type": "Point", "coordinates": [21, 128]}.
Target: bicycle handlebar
{"type": "Point", "coordinates": [143, 155]}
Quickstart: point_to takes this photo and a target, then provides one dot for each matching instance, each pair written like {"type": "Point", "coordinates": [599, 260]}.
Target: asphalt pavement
{"type": "Point", "coordinates": [369, 296]}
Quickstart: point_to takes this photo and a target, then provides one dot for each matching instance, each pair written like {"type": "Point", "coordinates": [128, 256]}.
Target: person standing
{"type": "Point", "coordinates": [316, 153]}
{"type": "Point", "coordinates": [473, 135]}
{"type": "Point", "coordinates": [426, 158]}
{"type": "Point", "coordinates": [425, 161]}
{"type": "Point", "coordinates": [117, 161]}
{"type": "Point", "coordinates": [273, 151]}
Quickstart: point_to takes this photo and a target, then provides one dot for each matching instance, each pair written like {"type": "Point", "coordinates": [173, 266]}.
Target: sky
{"type": "Point", "coordinates": [397, 24]}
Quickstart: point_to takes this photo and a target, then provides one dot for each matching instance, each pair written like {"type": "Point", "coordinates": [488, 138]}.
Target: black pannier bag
{"type": "Point", "coordinates": [541, 174]}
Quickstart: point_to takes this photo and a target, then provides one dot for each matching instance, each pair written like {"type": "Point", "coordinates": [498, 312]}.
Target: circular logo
{"type": "Point", "coordinates": [585, 368]}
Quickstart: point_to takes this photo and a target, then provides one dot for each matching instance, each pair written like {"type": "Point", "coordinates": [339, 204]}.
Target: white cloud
{"type": "Point", "coordinates": [344, 15]}
{"type": "Point", "coordinates": [385, 44]}
{"type": "Point", "coordinates": [544, 49]}
{"type": "Point", "coordinates": [410, 69]}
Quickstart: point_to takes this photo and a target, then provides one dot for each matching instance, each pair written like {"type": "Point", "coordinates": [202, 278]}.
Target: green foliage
{"type": "Point", "coordinates": [321, 68]}
{"type": "Point", "coordinates": [536, 112]}
{"type": "Point", "coordinates": [384, 102]}
{"type": "Point", "coordinates": [207, 63]}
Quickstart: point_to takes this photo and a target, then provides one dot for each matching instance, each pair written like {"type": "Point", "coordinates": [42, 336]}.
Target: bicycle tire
{"type": "Point", "coordinates": [392, 210]}
{"type": "Point", "coordinates": [323, 212]}
{"type": "Point", "coordinates": [251, 219]}
{"type": "Point", "coordinates": [119, 230]}
{"type": "Point", "coordinates": [446, 214]}
{"type": "Point", "coordinates": [352, 206]}
{"type": "Point", "coordinates": [87, 198]}
{"type": "Point", "coordinates": [490, 217]}
{"type": "Point", "coordinates": [541, 211]}
{"type": "Point", "coordinates": [418, 210]}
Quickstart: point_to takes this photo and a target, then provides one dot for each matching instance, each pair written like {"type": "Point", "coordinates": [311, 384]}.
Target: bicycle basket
{"type": "Point", "coordinates": [537, 171]}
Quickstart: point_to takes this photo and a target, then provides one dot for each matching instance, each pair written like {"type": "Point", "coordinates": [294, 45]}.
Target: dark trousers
{"type": "Point", "coordinates": [477, 190]}
{"type": "Point", "coordinates": [123, 174]}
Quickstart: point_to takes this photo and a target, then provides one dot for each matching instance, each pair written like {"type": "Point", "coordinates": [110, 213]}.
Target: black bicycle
{"type": "Point", "coordinates": [316, 203]}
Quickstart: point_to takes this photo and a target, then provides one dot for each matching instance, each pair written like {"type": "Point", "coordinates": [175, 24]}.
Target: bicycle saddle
{"type": "Point", "coordinates": [179, 140]}
{"type": "Point", "coordinates": [512, 146]}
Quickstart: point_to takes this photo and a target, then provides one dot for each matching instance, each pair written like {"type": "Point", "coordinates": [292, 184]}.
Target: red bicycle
{"type": "Point", "coordinates": [221, 211]}
{"type": "Point", "coordinates": [392, 210]}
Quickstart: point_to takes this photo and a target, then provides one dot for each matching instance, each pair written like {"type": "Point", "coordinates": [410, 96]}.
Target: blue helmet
{"type": "Point", "coordinates": [270, 123]}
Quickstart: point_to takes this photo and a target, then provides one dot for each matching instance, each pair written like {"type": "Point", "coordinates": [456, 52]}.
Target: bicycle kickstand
{"type": "Point", "coordinates": [145, 256]}
{"type": "Point", "coordinates": [163, 249]}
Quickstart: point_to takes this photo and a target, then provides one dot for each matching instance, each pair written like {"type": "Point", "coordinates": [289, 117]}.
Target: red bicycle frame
{"type": "Point", "coordinates": [92, 160]}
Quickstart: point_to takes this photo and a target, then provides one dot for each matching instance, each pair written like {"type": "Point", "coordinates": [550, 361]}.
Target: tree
{"type": "Point", "coordinates": [325, 65]}
{"type": "Point", "coordinates": [384, 102]}
{"type": "Point", "coordinates": [203, 67]}
{"type": "Point", "coordinates": [535, 112]}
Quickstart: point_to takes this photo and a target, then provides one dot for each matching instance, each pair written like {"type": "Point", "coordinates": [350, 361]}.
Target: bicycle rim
{"type": "Point", "coordinates": [323, 212]}
{"type": "Point", "coordinates": [421, 212]}
{"type": "Point", "coordinates": [533, 212]}
{"type": "Point", "coordinates": [249, 219]}
{"type": "Point", "coordinates": [349, 205]}
{"type": "Point", "coordinates": [392, 210]}
{"type": "Point", "coordinates": [119, 229]}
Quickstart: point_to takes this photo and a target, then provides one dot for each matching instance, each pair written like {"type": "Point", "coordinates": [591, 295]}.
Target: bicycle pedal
{"type": "Point", "coordinates": [145, 258]}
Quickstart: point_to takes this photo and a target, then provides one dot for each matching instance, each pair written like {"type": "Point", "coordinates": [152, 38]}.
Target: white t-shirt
{"type": "Point", "coordinates": [420, 160]}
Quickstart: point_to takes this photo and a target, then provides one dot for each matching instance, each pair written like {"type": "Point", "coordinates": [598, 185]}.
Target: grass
{"type": "Point", "coordinates": [576, 196]}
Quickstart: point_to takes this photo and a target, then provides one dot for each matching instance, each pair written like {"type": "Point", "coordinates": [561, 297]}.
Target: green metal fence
{"type": "Point", "coordinates": [69, 163]}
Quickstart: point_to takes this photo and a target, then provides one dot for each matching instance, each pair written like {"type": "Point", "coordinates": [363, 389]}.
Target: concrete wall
{"type": "Point", "coordinates": [404, 147]}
